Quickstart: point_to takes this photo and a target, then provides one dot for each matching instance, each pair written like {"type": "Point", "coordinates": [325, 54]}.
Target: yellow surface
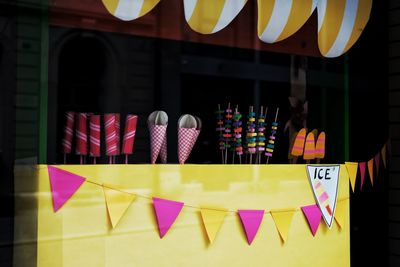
{"type": "Point", "coordinates": [80, 234]}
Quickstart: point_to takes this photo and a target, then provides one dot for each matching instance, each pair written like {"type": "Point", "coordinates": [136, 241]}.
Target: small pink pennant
{"type": "Point", "coordinates": [166, 212]}
{"type": "Point", "coordinates": [362, 166]}
{"type": "Point", "coordinates": [63, 185]}
{"type": "Point", "coordinates": [251, 220]}
{"type": "Point", "coordinates": [377, 159]}
{"type": "Point", "coordinates": [313, 215]}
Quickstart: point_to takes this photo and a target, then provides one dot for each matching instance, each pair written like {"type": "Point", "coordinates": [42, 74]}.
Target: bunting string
{"type": "Point", "coordinates": [267, 211]}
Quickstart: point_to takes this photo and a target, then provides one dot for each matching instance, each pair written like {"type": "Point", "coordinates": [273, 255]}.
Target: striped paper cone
{"type": "Point", "coordinates": [118, 131]}
{"type": "Point", "coordinates": [157, 123]}
{"type": "Point", "coordinates": [111, 134]}
{"type": "Point", "coordinates": [94, 126]}
{"type": "Point", "coordinates": [68, 132]}
{"type": "Point", "coordinates": [188, 132]}
{"type": "Point", "coordinates": [158, 135]}
{"type": "Point", "coordinates": [129, 134]}
{"type": "Point", "coordinates": [81, 134]}
{"type": "Point", "coordinates": [186, 139]}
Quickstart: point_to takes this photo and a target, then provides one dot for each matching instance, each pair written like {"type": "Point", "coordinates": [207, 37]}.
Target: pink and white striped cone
{"type": "Point", "coordinates": [94, 125]}
{"type": "Point", "coordinates": [111, 134]}
{"type": "Point", "coordinates": [158, 137]}
{"type": "Point", "coordinates": [129, 134]}
{"type": "Point", "coordinates": [68, 132]}
{"type": "Point", "coordinates": [157, 123]}
{"type": "Point", "coordinates": [81, 134]}
{"type": "Point", "coordinates": [186, 139]}
{"type": "Point", "coordinates": [118, 132]}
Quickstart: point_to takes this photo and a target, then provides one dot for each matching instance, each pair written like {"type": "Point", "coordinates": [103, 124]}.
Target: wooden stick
{"type": "Point", "coordinates": [65, 158]}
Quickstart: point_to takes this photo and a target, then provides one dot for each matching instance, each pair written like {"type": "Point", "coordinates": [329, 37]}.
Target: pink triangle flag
{"type": "Point", "coordinates": [362, 166]}
{"type": "Point", "coordinates": [166, 212]}
{"type": "Point", "coordinates": [251, 220]}
{"type": "Point", "coordinates": [63, 185]}
{"type": "Point", "coordinates": [377, 159]}
{"type": "Point", "coordinates": [313, 215]}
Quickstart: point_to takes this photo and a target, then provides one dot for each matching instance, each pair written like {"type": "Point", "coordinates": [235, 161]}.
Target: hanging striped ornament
{"type": "Point", "coordinates": [340, 24]}
{"type": "Point", "coordinates": [129, 9]}
{"type": "Point", "coordinates": [211, 16]}
{"type": "Point", "coordinates": [277, 19]}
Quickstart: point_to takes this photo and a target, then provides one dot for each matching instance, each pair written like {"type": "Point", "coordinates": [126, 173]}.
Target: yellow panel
{"type": "Point", "coordinates": [80, 234]}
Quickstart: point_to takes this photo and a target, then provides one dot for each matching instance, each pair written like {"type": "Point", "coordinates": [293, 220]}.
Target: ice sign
{"type": "Point", "coordinates": [324, 181]}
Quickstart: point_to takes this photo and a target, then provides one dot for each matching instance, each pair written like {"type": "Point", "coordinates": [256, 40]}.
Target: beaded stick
{"type": "Point", "coordinates": [260, 133]}
{"type": "Point", "coordinates": [220, 128]}
{"type": "Point", "coordinates": [251, 134]}
{"type": "Point", "coordinates": [271, 141]}
{"type": "Point", "coordinates": [237, 136]}
{"type": "Point", "coordinates": [228, 131]}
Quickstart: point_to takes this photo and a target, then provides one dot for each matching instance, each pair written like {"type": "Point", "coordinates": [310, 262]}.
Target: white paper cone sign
{"type": "Point", "coordinates": [157, 124]}
{"type": "Point", "coordinates": [187, 136]}
{"type": "Point", "coordinates": [324, 181]}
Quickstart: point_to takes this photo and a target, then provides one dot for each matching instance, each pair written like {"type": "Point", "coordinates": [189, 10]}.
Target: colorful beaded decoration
{"type": "Point", "coordinates": [260, 133]}
{"type": "Point", "coordinates": [271, 142]}
{"type": "Point", "coordinates": [251, 135]}
{"type": "Point", "coordinates": [237, 132]}
{"type": "Point", "coordinates": [228, 129]}
{"type": "Point", "coordinates": [220, 127]}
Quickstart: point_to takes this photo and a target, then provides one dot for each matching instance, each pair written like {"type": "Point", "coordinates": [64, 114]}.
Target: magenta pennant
{"type": "Point", "coordinates": [166, 212]}
{"type": "Point", "coordinates": [251, 220]}
{"type": "Point", "coordinates": [63, 185]}
{"type": "Point", "coordinates": [362, 166]}
{"type": "Point", "coordinates": [377, 159]}
{"type": "Point", "coordinates": [313, 215]}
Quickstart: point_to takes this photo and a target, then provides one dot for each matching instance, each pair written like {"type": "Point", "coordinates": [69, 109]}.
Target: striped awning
{"type": "Point", "coordinates": [340, 22]}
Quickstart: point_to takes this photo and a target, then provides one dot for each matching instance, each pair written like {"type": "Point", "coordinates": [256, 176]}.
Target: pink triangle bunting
{"type": "Point", "coordinates": [166, 212]}
{"type": "Point", "coordinates": [362, 166]}
{"type": "Point", "coordinates": [377, 159]}
{"type": "Point", "coordinates": [313, 215]}
{"type": "Point", "coordinates": [251, 220]}
{"type": "Point", "coordinates": [63, 185]}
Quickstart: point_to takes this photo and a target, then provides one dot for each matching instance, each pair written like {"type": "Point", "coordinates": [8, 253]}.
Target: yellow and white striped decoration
{"type": "Point", "coordinates": [340, 24]}
{"type": "Point", "coordinates": [129, 9]}
{"type": "Point", "coordinates": [279, 19]}
{"type": "Point", "coordinates": [211, 16]}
